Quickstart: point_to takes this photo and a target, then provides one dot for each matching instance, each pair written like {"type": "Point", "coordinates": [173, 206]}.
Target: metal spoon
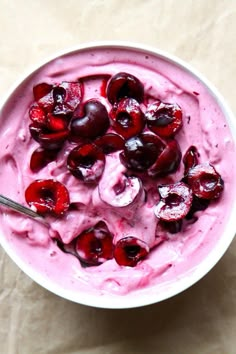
{"type": "Point", "coordinates": [22, 209]}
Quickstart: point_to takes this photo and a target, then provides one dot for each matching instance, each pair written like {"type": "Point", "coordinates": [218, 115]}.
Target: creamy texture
{"type": "Point", "coordinates": [203, 126]}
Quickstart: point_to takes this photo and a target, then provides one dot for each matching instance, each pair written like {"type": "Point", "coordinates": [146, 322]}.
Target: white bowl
{"type": "Point", "coordinates": [158, 293]}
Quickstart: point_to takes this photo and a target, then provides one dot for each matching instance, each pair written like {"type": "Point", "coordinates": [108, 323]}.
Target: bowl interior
{"type": "Point", "coordinates": [209, 257]}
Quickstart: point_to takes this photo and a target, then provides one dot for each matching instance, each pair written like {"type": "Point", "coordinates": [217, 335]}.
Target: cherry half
{"type": "Point", "coordinates": [130, 250]}
{"type": "Point", "coordinates": [42, 157]}
{"type": "Point", "coordinates": [48, 196]}
{"type": "Point", "coordinates": [164, 119]}
{"type": "Point", "coordinates": [124, 85]}
{"type": "Point", "coordinates": [110, 143]}
{"type": "Point", "coordinates": [86, 162]}
{"type": "Point", "coordinates": [205, 181]}
{"type": "Point", "coordinates": [47, 138]}
{"type": "Point", "coordinates": [167, 161]}
{"type": "Point", "coordinates": [175, 203]}
{"type": "Point", "coordinates": [127, 118]}
{"type": "Point", "coordinates": [94, 246]}
{"type": "Point", "coordinates": [141, 152]}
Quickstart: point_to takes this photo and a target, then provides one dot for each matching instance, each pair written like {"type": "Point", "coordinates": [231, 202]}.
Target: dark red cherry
{"type": "Point", "coordinates": [41, 158]}
{"type": "Point", "coordinates": [46, 138]}
{"type": "Point", "coordinates": [127, 118]}
{"type": "Point", "coordinates": [140, 152]}
{"type": "Point", "coordinates": [164, 119]}
{"type": "Point", "coordinates": [48, 196]}
{"type": "Point", "coordinates": [86, 162]}
{"type": "Point", "coordinates": [190, 158]}
{"type": "Point", "coordinates": [175, 203]}
{"type": "Point", "coordinates": [127, 191]}
{"type": "Point", "coordinates": [90, 121]}
{"type": "Point", "coordinates": [130, 250]}
{"type": "Point", "coordinates": [110, 143]}
{"type": "Point", "coordinates": [205, 181]}
{"type": "Point", "coordinates": [94, 246]}
{"type": "Point", "coordinates": [168, 160]}
{"type": "Point", "coordinates": [123, 85]}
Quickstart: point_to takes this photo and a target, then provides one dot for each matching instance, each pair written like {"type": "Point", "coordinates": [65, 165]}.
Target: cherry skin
{"type": "Point", "coordinates": [110, 143]}
{"type": "Point", "coordinates": [140, 152]}
{"type": "Point", "coordinates": [42, 157]}
{"type": "Point", "coordinates": [90, 121]}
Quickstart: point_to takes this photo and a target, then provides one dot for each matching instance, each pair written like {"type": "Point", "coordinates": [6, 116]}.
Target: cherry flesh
{"type": "Point", "coordinates": [48, 196]}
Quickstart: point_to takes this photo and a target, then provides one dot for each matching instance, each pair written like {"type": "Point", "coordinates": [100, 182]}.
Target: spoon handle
{"type": "Point", "coordinates": [22, 209]}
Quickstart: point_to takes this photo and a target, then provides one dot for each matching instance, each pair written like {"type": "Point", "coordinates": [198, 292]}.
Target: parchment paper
{"type": "Point", "coordinates": [202, 320]}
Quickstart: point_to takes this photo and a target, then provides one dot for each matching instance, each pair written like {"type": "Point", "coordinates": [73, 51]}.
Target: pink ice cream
{"type": "Point", "coordinates": [204, 126]}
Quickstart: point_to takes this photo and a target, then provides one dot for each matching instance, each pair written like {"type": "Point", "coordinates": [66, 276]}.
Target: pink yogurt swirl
{"type": "Point", "coordinates": [204, 126]}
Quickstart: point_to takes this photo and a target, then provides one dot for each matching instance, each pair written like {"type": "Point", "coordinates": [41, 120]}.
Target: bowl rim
{"type": "Point", "coordinates": [121, 301]}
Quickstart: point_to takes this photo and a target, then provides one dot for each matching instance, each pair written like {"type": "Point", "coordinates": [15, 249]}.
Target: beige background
{"type": "Point", "coordinates": [202, 320]}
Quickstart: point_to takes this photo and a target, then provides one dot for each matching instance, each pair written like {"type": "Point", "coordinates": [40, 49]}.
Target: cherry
{"type": "Point", "coordinates": [127, 118]}
{"type": "Point", "coordinates": [41, 158]}
{"type": "Point", "coordinates": [175, 203]}
{"type": "Point", "coordinates": [190, 158]}
{"type": "Point", "coordinates": [110, 143]}
{"type": "Point", "coordinates": [205, 181]}
{"type": "Point", "coordinates": [140, 152]}
{"type": "Point", "coordinates": [86, 162]}
{"type": "Point", "coordinates": [129, 251]}
{"type": "Point", "coordinates": [164, 119]}
{"type": "Point", "coordinates": [90, 121]}
{"type": "Point", "coordinates": [46, 138]}
{"type": "Point", "coordinates": [123, 85]}
{"type": "Point", "coordinates": [168, 160]}
{"type": "Point", "coordinates": [126, 192]}
{"type": "Point", "coordinates": [94, 246]}
{"type": "Point", "coordinates": [48, 196]}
